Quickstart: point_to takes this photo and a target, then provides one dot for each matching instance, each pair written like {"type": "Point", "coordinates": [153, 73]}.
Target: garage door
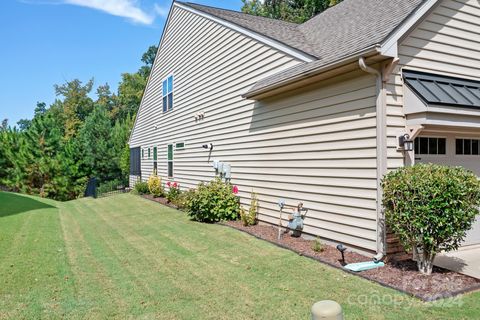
{"type": "Point", "coordinates": [453, 150]}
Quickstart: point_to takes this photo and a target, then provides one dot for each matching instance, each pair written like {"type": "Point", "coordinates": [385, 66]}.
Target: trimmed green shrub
{"type": "Point", "coordinates": [430, 207]}
{"type": "Point", "coordinates": [212, 202]}
{"type": "Point", "coordinates": [249, 218]}
{"type": "Point", "coordinates": [141, 188]}
{"type": "Point", "coordinates": [155, 185]}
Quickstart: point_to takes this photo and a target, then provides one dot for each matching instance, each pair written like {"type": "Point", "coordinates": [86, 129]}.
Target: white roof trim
{"type": "Point", "coordinates": [261, 38]}
{"type": "Point", "coordinates": [390, 45]}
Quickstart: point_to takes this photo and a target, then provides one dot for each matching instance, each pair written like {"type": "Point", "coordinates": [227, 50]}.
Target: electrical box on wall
{"type": "Point", "coordinates": [227, 171]}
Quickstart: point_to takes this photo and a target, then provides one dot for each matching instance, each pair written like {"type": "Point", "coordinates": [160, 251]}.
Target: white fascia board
{"type": "Point", "coordinates": [390, 45]}
{"type": "Point", "coordinates": [256, 36]}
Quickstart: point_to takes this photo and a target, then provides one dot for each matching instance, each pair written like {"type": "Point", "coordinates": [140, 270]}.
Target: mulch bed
{"type": "Point", "coordinates": [399, 275]}
{"type": "Point", "coordinates": [160, 200]}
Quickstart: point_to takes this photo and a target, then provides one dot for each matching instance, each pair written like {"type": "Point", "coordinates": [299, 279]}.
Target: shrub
{"type": "Point", "coordinates": [249, 218]}
{"type": "Point", "coordinates": [155, 185]}
{"type": "Point", "coordinates": [141, 188]}
{"type": "Point", "coordinates": [430, 208]}
{"type": "Point", "coordinates": [173, 191]}
{"type": "Point", "coordinates": [317, 245]}
{"type": "Point", "coordinates": [212, 202]}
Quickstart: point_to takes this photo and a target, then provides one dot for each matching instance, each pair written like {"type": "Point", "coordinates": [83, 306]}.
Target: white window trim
{"type": "Point", "coordinates": [466, 156]}
{"type": "Point", "coordinates": [173, 91]}
{"type": "Point", "coordinates": [179, 149]}
{"type": "Point", "coordinates": [434, 155]}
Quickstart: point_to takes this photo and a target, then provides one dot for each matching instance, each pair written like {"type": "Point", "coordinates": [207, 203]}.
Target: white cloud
{"type": "Point", "coordinates": [161, 11]}
{"type": "Point", "coordinates": [123, 8]}
{"type": "Point", "coordinates": [129, 9]}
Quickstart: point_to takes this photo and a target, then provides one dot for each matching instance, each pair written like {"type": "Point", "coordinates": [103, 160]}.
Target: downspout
{"type": "Point", "coordinates": [381, 116]}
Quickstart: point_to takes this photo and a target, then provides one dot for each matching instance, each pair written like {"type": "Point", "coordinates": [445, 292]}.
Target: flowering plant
{"type": "Point", "coordinates": [235, 189]}
{"type": "Point", "coordinates": [173, 191]}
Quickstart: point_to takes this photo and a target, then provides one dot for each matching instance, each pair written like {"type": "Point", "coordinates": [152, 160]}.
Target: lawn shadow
{"type": "Point", "coordinates": [12, 203]}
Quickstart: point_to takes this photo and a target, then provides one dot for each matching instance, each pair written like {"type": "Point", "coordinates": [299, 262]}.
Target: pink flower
{"type": "Point", "coordinates": [235, 190]}
{"type": "Point", "coordinates": [168, 184]}
{"type": "Point", "coordinates": [175, 185]}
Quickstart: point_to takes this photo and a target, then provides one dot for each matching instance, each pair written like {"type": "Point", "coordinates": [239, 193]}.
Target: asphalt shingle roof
{"type": "Point", "coordinates": [341, 31]}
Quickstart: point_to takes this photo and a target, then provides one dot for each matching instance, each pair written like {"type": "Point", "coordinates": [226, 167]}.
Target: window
{"type": "Point", "coordinates": [427, 145]}
{"type": "Point", "coordinates": [135, 166]}
{"type": "Point", "coordinates": [167, 93]}
{"type": "Point", "coordinates": [170, 160]}
{"type": "Point", "coordinates": [143, 154]}
{"type": "Point", "coordinates": [180, 145]}
{"type": "Point", "coordinates": [148, 153]}
{"type": "Point", "coordinates": [155, 166]}
{"type": "Point", "coordinates": [467, 147]}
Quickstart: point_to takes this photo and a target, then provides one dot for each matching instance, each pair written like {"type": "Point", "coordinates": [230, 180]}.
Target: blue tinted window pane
{"type": "Point", "coordinates": [170, 84]}
{"type": "Point", "coordinates": [165, 87]}
{"type": "Point", "coordinates": [170, 101]}
{"type": "Point", "coordinates": [165, 104]}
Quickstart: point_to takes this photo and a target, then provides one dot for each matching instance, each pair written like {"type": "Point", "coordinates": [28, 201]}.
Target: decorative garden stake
{"type": "Point", "coordinates": [295, 220]}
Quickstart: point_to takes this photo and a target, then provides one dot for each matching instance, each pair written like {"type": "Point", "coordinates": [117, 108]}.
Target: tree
{"type": "Point", "coordinates": [297, 11]}
{"type": "Point", "coordinates": [77, 105]}
{"type": "Point", "coordinates": [130, 93]}
{"type": "Point", "coordinates": [430, 208]}
{"type": "Point", "coordinates": [148, 58]}
{"type": "Point", "coordinates": [95, 146]}
{"type": "Point", "coordinates": [4, 125]}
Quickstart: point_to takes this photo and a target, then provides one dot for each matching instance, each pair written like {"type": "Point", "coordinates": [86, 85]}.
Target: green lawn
{"type": "Point", "coordinates": [126, 257]}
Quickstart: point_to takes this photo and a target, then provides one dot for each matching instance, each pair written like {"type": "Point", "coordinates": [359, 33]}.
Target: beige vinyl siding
{"type": "Point", "coordinates": [315, 145]}
{"type": "Point", "coordinates": [446, 42]}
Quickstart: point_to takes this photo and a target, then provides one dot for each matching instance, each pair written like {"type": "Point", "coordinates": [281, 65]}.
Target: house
{"type": "Point", "coordinates": [316, 112]}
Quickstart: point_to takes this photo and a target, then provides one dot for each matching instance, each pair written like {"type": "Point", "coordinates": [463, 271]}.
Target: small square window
{"type": "Point", "coordinates": [467, 147]}
{"type": "Point", "coordinates": [431, 146]}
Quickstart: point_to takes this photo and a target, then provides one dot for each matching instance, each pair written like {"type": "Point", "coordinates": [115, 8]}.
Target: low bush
{"type": "Point", "coordinates": [141, 188]}
{"type": "Point", "coordinates": [249, 218]}
{"type": "Point", "coordinates": [430, 207]}
{"type": "Point", "coordinates": [173, 191]}
{"type": "Point", "coordinates": [155, 186]}
{"type": "Point", "coordinates": [317, 245]}
{"type": "Point", "coordinates": [212, 202]}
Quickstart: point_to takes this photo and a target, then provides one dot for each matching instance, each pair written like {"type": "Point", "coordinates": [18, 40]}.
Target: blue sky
{"type": "Point", "coordinates": [46, 42]}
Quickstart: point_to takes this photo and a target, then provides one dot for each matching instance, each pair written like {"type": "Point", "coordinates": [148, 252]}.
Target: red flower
{"type": "Point", "coordinates": [235, 189]}
{"type": "Point", "coordinates": [175, 185]}
{"type": "Point", "coordinates": [168, 184]}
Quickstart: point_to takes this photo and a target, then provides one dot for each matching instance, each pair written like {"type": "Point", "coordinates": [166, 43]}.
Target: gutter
{"type": "Point", "coordinates": [382, 77]}
{"type": "Point", "coordinates": [313, 72]}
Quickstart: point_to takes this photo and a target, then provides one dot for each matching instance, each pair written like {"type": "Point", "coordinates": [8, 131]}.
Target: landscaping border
{"type": "Point", "coordinates": [424, 298]}
{"type": "Point", "coordinates": [418, 296]}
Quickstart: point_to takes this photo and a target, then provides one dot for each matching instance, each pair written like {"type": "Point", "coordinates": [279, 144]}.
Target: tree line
{"type": "Point", "coordinates": [297, 11]}
{"type": "Point", "coordinates": [79, 137]}
{"type": "Point", "coordinates": [76, 138]}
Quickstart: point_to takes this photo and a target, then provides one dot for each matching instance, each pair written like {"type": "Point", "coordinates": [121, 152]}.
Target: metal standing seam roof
{"type": "Point", "coordinates": [343, 30]}
{"type": "Point", "coordinates": [443, 90]}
